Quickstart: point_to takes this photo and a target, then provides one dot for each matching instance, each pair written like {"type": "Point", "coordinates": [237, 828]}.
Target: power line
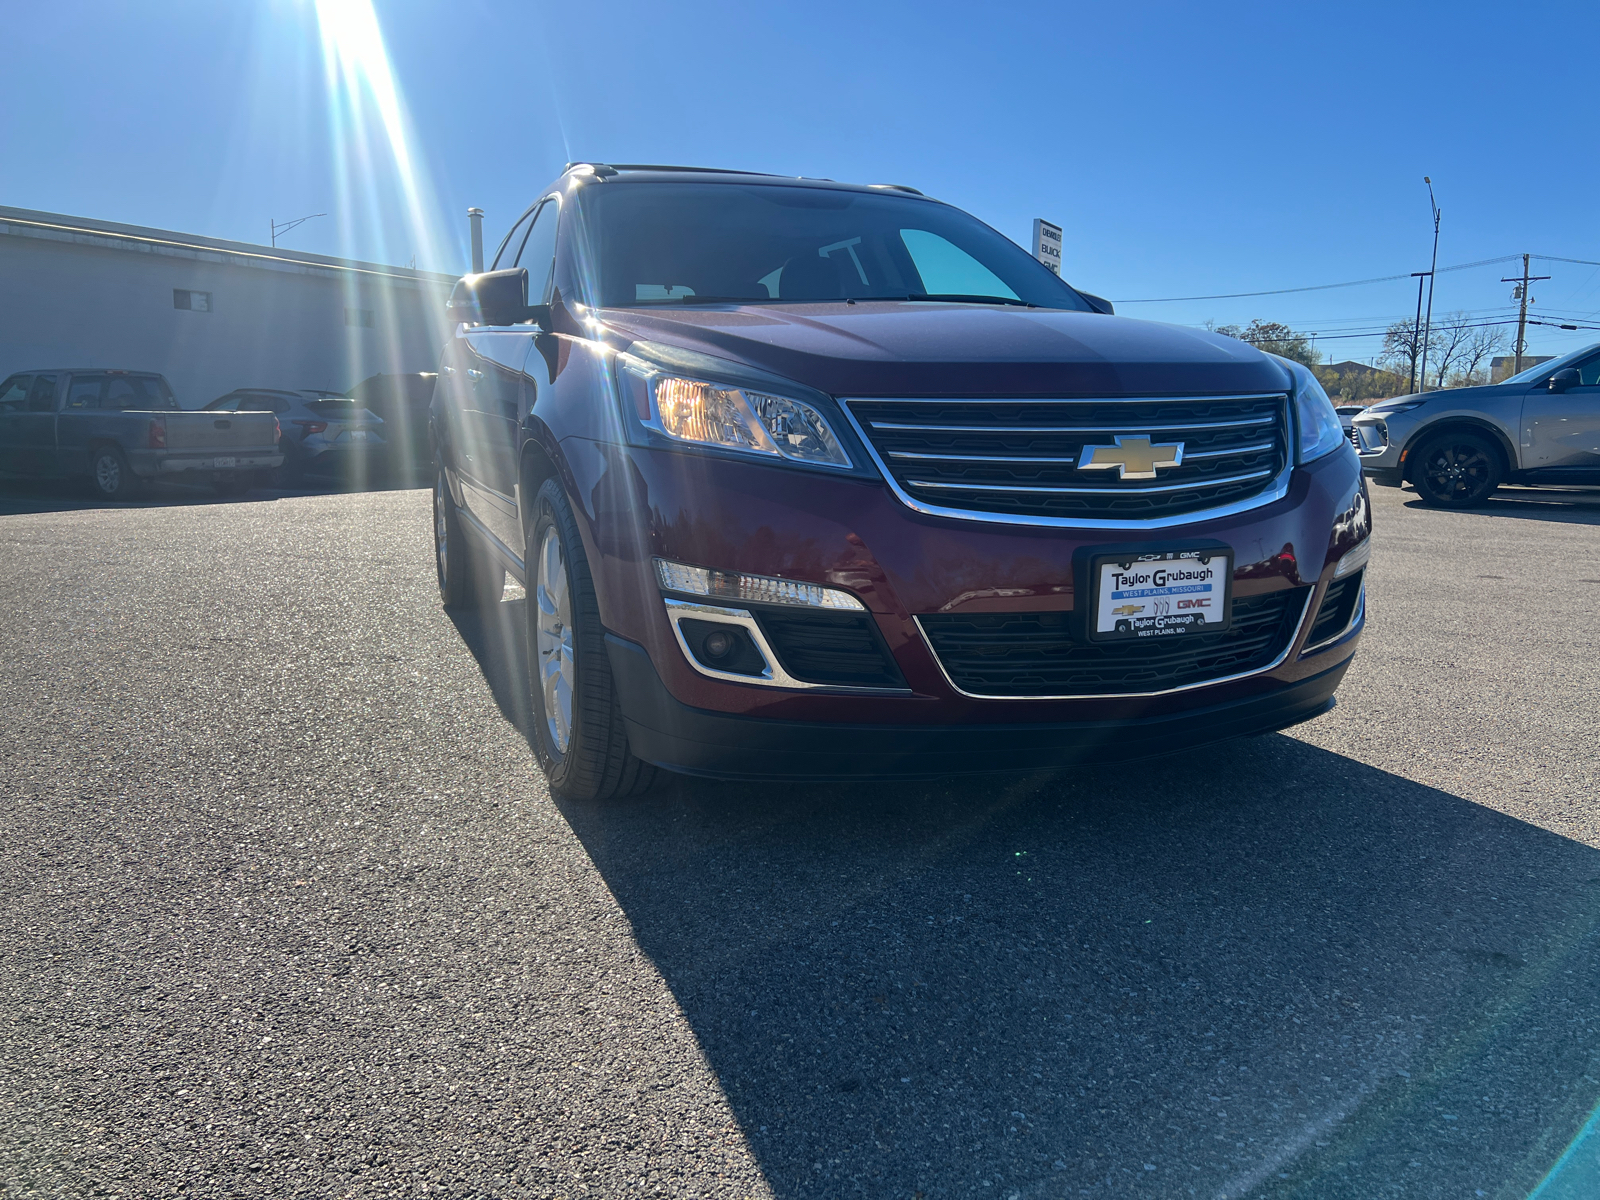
{"type": "Point", "coordinates": [1323, 287]}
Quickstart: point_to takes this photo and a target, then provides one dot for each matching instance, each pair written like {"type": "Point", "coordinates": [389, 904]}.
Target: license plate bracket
{"type": "Point", "coordinates": [1151, 595]}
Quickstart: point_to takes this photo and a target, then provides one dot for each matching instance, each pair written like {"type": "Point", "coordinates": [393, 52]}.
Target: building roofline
{"type": "Point", "coordinates": [28, 222]}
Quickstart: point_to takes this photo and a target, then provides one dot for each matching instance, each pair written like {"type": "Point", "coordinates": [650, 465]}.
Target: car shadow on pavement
{"type": "Point", "coordinates": [1568, 506]}
{"type": "Point", "coordinates": [1264, 969]}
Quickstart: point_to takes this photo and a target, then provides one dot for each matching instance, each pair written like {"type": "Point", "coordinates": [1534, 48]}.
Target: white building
{"type": "Point", "coordinates": [208, 314]}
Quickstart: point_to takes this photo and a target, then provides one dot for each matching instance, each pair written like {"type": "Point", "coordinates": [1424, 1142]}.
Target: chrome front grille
{"type": "Point", "coordinates": [1027, 459]}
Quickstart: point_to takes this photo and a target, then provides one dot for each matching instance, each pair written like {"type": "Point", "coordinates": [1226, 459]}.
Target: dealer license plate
{"type": "Point", "coordinates": [1161, 595]}
{"type": "Point", "coordinates": [227, 462]}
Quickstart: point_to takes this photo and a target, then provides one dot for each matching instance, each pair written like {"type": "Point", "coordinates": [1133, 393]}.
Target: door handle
{"type": "Point", "coordinates": [475, 375]}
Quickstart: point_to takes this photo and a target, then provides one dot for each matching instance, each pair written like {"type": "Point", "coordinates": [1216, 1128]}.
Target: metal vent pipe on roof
{"type": "Point", "coordinates": [475, 220]}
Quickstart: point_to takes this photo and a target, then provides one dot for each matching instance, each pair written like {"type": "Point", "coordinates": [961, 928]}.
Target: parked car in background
{"type": "Point", "coordinates": [120, 429]}
{"type": "Point", "coordinates": [816, 480]}
{"type": "Point", "coordinates": [402, 402]}
{"type": "Point", "coordinates": [323, 432]}
{"type": "Point", "coordinates": [1457, 445]}
{"type": "Point", "coordinates": [1347, 415]}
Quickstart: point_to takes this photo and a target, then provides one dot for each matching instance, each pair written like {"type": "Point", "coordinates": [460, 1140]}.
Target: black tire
{"type": "Point", "coordinates": [110, 477]}
{"type": "Point", "coordinates": [1457, 470]}
{"type": "Point", "coordinates": [464, 580]}
{"type": "Point", "coordinates": [595, 763]}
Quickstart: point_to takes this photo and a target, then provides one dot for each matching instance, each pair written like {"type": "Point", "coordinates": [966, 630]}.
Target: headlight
{"type": "Point", "coordinates": [734, 418]}
{"type": "Point", "coordinates": [1319, 430]}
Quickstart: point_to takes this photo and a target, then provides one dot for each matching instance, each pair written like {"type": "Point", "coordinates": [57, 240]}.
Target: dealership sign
{"type": "Point", "coordinates": [1047, 244]}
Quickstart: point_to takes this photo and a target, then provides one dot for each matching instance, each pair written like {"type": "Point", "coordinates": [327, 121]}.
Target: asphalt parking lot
{"type": "Point", "coordinates": [288, 911]}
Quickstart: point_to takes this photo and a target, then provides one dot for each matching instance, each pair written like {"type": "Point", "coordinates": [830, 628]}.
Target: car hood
{"type": "Point", "coordinates": [880, 348]}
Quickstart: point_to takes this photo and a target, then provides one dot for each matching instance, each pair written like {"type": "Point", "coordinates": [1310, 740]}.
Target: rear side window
{"type": "Point", "coordinates": [42, 396]}
{"type": "Point", "coordinates": [339, 410]}
{"type": "Point", "coordinates": [226, 404]}
{"type": "Point", "coordinates": [84, 391]}
{"type": "Point", "coordinates": [14, 393]}
{"type": "Point", "coordinates": [276, 404]}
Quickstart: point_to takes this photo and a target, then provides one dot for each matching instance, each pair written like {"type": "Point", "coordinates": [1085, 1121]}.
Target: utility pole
{"type": "Point", "coordinates": [1416, 329]}
{"type": "Point", "coordinates": [1520, 292]}
{"type": "Point", "coordinates": [1427, 328]}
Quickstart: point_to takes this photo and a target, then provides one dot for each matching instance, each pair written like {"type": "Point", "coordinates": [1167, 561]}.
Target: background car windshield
{"type": "Point", "coordinates": [674, 243]}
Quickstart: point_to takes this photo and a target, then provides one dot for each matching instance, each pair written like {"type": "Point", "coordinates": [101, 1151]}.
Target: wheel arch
{"type": "Point", "coordinates": [1496, 436]}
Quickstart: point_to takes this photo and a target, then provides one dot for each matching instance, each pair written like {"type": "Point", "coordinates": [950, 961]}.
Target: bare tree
{"type": "Point", "coordinates": [1472, 367]}
{"type": "Point", "coordinates": [1402, 347]}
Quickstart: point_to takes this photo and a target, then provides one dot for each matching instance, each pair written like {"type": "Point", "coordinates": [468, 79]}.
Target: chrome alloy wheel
{"type": "Point", "coordinates": [441, 530]}
{"type": "Point", "coordinates": [553, 651]}
{"type": "Point", "coordinates": [108, 474]}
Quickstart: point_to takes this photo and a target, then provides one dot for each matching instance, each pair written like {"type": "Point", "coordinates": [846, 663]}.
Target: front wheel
{"type": "Point", "coordinates": [110, 477]}
{"type": "Point", "coordinates": [463, 581]}
{"type": "Point", "coordinates": [1457, 470]}
{"type": "Point", "coordinates": [578, 734]}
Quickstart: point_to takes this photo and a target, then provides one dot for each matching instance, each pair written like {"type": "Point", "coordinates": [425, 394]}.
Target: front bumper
{"type": "Point", "coordinates": [674, 735]}
{"type": "Point", "coordinates": [852, 534]}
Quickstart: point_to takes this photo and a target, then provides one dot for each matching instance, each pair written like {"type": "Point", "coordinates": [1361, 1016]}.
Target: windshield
{"type": "Point", "coordinates": [1544, 370]}
{"type": "Point", "coordinates": [671, 244]}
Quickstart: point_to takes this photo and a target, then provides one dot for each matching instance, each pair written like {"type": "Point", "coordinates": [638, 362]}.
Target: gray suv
{"type": "Point", "coordinates": [1459, 444]}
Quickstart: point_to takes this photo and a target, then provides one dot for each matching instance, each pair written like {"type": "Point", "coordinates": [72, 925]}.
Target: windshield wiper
{"type": "Point", "coordinates": [961, 298]}
{"type": "Point", "coordinates": [697, 299]}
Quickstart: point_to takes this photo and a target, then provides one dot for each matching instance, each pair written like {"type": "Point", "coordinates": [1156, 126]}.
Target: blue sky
{"type": "Point", "coordinates": [1186, 149]}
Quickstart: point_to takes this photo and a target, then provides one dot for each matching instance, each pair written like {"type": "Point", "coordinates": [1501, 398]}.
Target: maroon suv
{"type": "Point", "coordinates": [822, 481]}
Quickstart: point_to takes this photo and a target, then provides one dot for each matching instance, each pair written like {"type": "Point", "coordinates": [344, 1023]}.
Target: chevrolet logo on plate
{"type": "Point", "coordinates": [1134, 457]}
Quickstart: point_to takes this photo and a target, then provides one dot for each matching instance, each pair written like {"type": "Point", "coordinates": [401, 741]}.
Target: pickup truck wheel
{"type": "Point", "coordinates": [1457, 470]}
{"type": "Point", "coordinates": [578, 734]}
{"type": "Point", "coordinates": [460, 581]}
{"type": "Point", "coordinates": [110, 477]}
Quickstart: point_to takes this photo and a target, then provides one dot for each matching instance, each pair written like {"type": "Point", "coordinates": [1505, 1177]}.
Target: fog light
{"type": "Point", "coordinates": [718, 644]}
{"type": "Point", "coordinates": [758, 589]}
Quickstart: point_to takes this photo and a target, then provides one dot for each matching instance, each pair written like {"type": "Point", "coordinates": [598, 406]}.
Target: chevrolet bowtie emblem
{"type": "Point", "coordinates": [1134, 457]}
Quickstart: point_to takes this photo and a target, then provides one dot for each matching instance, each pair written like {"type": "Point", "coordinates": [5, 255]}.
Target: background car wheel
{"type": "Point", "coordinates": [1457, 470]}
{"type": "Point", "coordinates": [464, 582]}
{"type": "Point", "coordinates": [578, 732]}
{"type": "Point", "coordinates": [110, 477]}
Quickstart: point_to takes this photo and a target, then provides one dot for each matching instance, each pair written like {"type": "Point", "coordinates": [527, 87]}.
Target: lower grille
{"type": "Point", "coordinates": [840, 649]}
{"type": "Point", "coordinates": [1034, 654]}
{"type": "Point", "coordinates": [1338, 609]}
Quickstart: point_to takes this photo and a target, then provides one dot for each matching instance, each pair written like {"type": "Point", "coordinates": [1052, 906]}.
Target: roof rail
{"type": "Point", "coordinates": [605, 170]}
{"type": "Point", "coordinates": [897, 187]}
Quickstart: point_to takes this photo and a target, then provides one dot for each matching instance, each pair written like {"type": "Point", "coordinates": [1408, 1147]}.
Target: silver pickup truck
{"type": "Point", "coordinates": [1455, 446]}
{"type": "Point", "coordinates": [118, 429]}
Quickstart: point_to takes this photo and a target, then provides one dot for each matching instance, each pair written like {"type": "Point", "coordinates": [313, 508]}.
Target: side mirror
{"type": "Point", "coordinates": [1099, 303]}
{"type": "Point", "coordinates": [495, 298]}
{"type": "Point", "coordinates": [1565, 378]}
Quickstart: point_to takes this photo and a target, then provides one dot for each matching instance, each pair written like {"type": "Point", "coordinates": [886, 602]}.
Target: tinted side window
{"type": "Point", "coordinates": [85, 390]}
{"type": "Point", "coordinates": [42, 397]}
{"type": "Point", "coordinates": [226, 404]}
{"type": "Point", "coordinates": [14, 393]}
{"type": "Point", "coordinates": [507, 254]}
{"type": "Point", "coordinates": [539, 252]}
{"type": "Point", "coordinates": [1589, 371]}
